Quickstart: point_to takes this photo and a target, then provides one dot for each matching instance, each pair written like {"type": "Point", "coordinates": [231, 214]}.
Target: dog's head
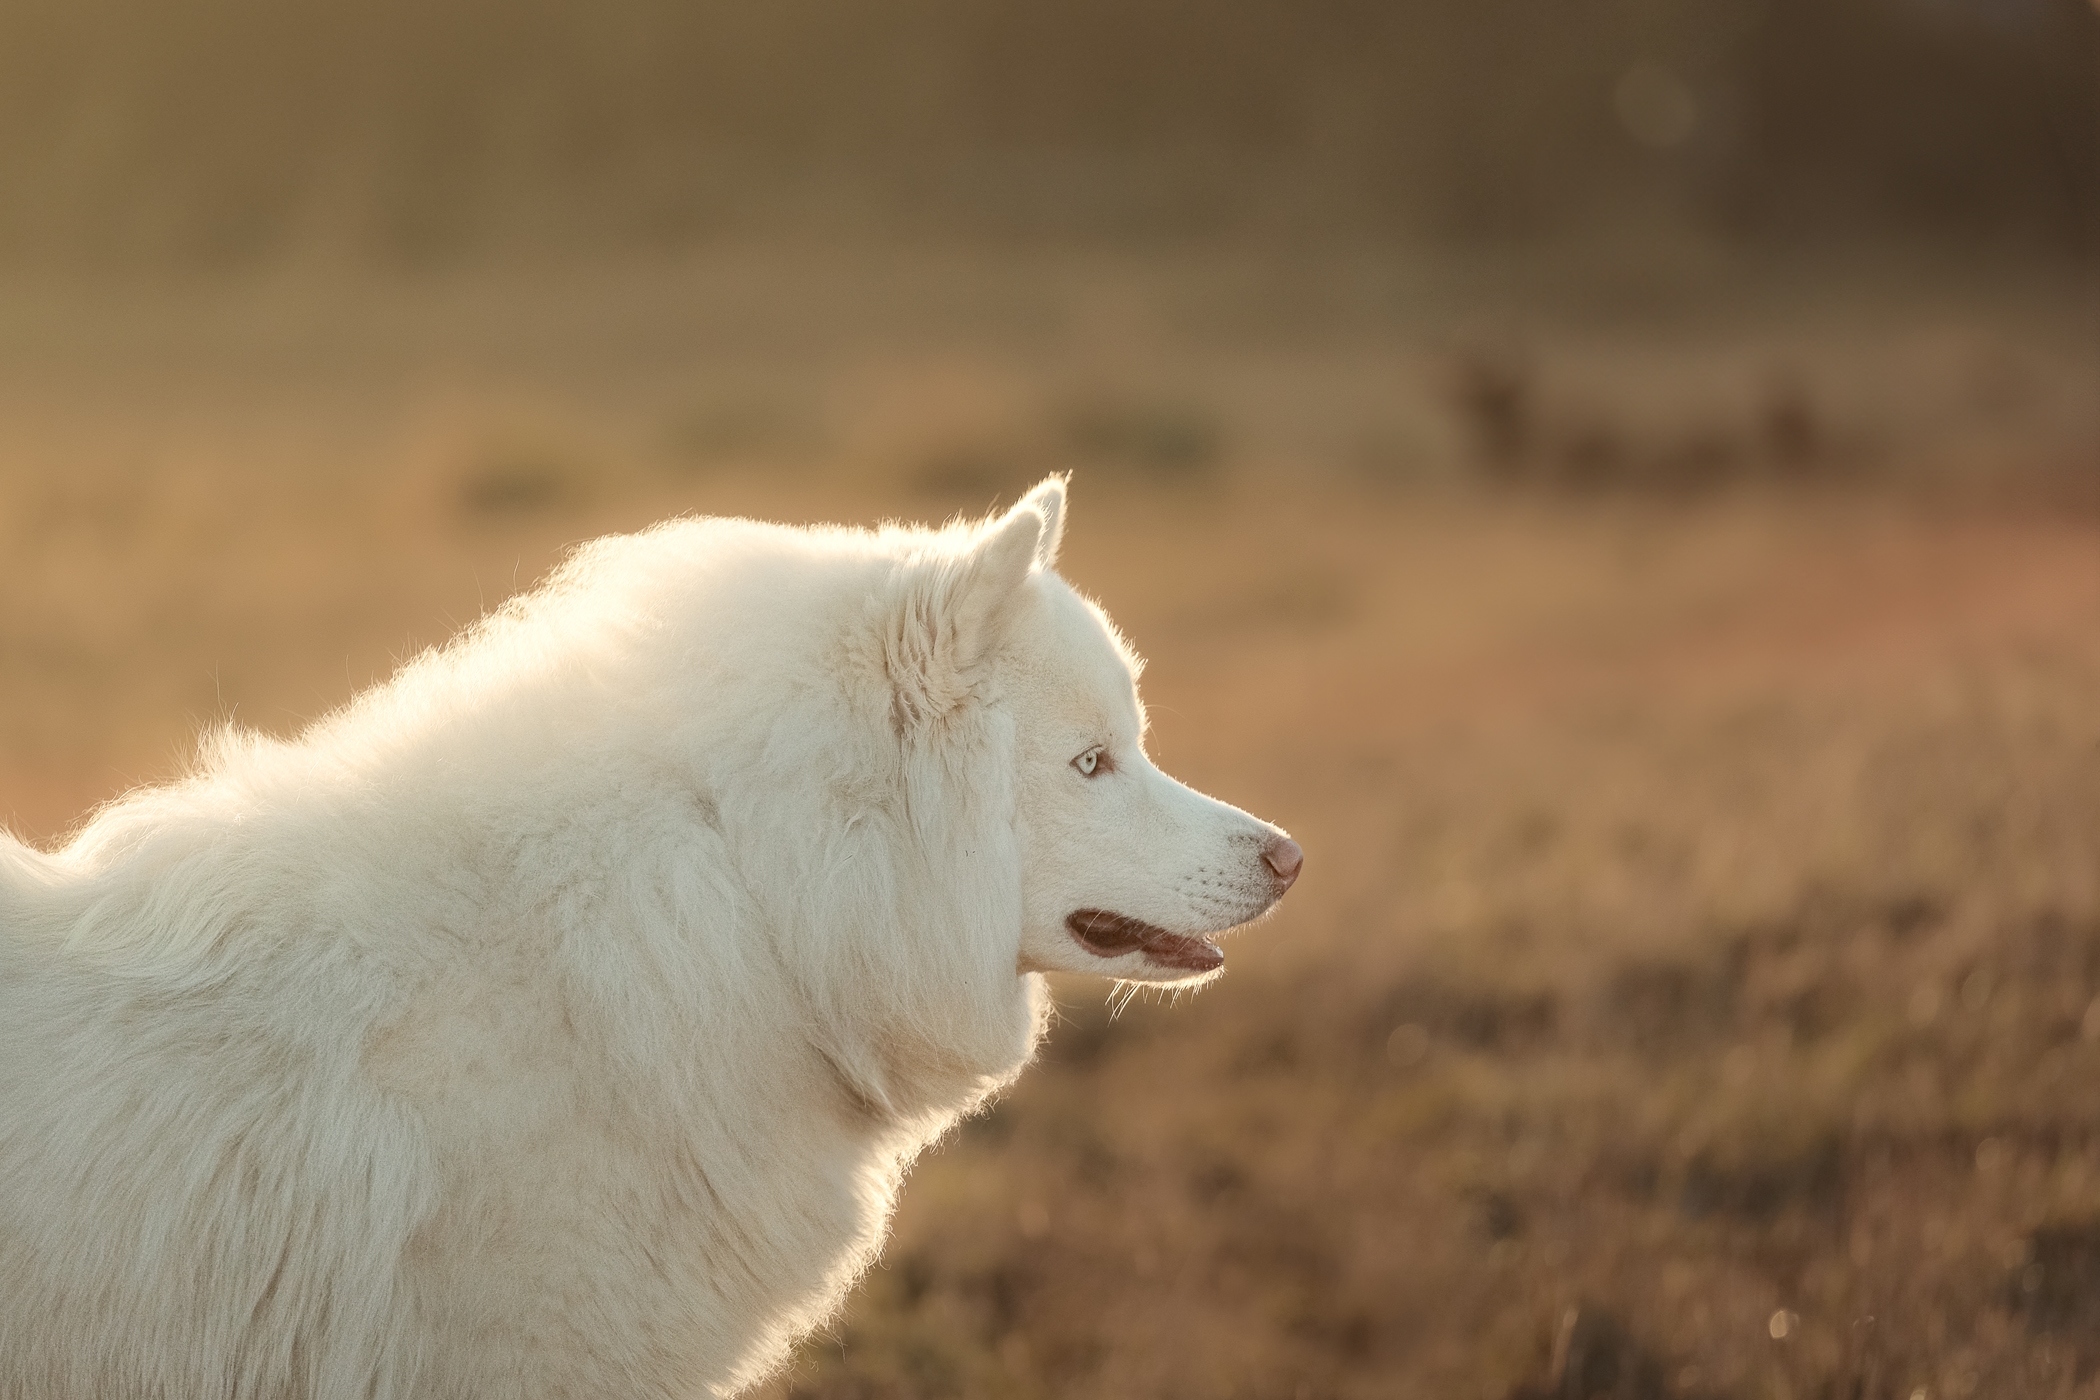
{"type": "Point", "coordinates": [950, 792]}
{"type": "Point", "coordinates": [1125, 872]}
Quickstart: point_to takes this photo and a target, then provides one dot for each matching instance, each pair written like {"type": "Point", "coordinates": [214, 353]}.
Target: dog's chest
{"type": "Point", "coordinates": [650, 1250]}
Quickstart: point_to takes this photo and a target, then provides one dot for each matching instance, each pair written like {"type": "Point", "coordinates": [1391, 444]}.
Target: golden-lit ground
{"type": "Point", "coordinates": [1693, 727]}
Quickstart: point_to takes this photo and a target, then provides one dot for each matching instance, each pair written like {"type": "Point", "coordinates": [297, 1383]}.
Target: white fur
{"type": "Point", "coordinates": [559, 1018]}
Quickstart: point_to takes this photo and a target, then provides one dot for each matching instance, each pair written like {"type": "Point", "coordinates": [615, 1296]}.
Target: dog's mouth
{"type": "Point", "coordinates": [1108, 935]}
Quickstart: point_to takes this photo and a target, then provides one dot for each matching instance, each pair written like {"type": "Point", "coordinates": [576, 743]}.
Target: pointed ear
{"type": "Point", "coordinates": [990, 580]}
{"type": "Point", "coordinates": [1048, 501]}
{"type": "Point", "coordinates": [954, 614]}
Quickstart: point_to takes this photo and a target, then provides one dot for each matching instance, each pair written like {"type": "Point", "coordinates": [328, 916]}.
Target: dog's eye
{"type": "Point", "coordinates": [1092, 763]}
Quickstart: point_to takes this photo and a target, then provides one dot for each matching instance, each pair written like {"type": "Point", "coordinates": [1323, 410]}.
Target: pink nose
{"type": "Point", "coordinates": [1285, 859]}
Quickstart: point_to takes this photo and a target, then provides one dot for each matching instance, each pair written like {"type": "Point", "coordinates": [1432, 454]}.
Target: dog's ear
{"type": "Point", "coordinates": [1048, 501]}
{"type": "Point", "coordinates": [990, 582]}
{"type": "Point", "coordinates": [955, 612]}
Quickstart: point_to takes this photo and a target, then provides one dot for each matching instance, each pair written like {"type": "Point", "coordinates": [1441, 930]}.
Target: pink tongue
{"type": "Point", "coordinates": [1175, 950]}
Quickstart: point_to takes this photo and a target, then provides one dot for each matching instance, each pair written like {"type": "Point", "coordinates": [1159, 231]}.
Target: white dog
{"type": "Point", "coordinates": [559, 1018]}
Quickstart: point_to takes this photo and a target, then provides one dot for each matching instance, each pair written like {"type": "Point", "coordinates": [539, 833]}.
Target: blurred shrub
{"type": "Point", "coordinates": [2057, 1288]}
{"type": "Point", "coordinates": [1157, 441]}
{"type": "Point", "coordinates": [520, 479]}
{"type": "Point", "coordinates": [1522, 430]}
{"type": "Point", "coordinates": [1594, 1355]}
{"type": "Point", "coordinates": [742, 431]}
{"type": "Point", "coordinates": [974, 474]}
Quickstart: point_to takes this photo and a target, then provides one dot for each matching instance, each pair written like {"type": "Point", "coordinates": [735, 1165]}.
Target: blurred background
{"type": "Point", "coordinates": [1618, 479]}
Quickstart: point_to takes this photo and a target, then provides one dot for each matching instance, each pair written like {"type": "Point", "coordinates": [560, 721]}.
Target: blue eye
{"type": "Point", "coordinates": [1091, 762]}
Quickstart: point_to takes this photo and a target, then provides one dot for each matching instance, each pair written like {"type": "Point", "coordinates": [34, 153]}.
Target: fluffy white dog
{"type": "Point", "coordinates": [560, 1017]}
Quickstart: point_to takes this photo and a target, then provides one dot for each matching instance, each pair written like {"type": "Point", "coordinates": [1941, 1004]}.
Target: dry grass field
{"type": "Point", "coordinates": [1693, 728]}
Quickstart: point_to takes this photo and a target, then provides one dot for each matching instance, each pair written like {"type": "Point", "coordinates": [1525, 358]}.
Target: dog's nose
{"type": "Point", "coordinates": [1284, 857]}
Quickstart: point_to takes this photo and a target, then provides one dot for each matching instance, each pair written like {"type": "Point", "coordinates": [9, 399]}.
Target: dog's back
{"type": "Point", "coordinates": [191, 1202]}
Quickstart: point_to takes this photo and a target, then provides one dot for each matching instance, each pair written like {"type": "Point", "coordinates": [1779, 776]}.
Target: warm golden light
{"type": "Point", "coordinates": [1615, 481]}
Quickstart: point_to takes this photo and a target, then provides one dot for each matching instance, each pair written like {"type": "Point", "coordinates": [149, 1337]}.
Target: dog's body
{"type": "Point", "coordinates": [559, 1018]}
